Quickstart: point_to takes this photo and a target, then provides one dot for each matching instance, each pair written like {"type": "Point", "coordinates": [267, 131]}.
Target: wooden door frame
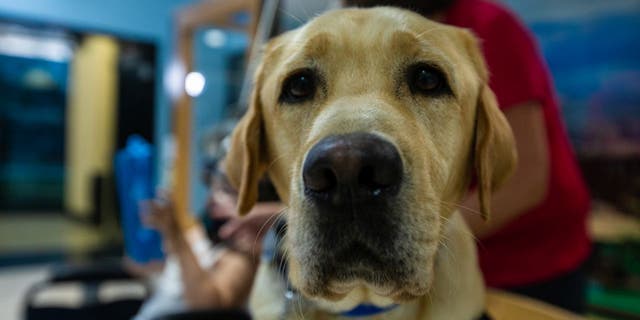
{"type": "Point", "coordinates": [218, 13]}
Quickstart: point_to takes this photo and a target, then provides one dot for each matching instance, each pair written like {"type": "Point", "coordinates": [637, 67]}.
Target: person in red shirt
{"type": "Point", "coordinates": [536, 242]}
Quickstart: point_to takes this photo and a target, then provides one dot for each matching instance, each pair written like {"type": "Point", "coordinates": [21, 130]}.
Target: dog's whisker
{"type": "Point", "coordinates": [267, 222]}
{"type": "Point", "coordinates": [428, 31]}
{"type": "Point", "coordinates": [305, 10]}
{"type": "Point", "coordinates": [273, 162]}
{"type": "Point", "coordinates": [456, 205]}
{"type": "Point", "coordinates": [299, 304]}
{"type": "Point", "coordinates": [429, 297]}
{"type": "Point", "coordinates": [465, 230]}
{"type": "Point", "coordinates": [283, 259]}
{"type": "Point", "coordinates": [468, 232]}
{"type": "Point", "coordinates": [446, 248]}
{"type": "Point", "coordinates": [254, 246]}
{"type": "Point", "coordinates": [284, 251]}
{"type": "Point", "coordinates": [280, 234]}
{"type": "Point", "coordinates": [290, 15]}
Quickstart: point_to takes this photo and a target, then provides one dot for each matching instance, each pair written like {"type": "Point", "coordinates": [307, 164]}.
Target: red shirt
{"type": "Point", "coordinates": [552, 238]}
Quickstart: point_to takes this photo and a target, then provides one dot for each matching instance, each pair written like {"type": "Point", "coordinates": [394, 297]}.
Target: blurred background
{"type": "Point", "coordinates": [88, 98]}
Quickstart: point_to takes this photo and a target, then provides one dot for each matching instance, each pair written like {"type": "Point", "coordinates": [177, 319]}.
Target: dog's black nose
{"type": "Point", "coordinates": [352, 167]}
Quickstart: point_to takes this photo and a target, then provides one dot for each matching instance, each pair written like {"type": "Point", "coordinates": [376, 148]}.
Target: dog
{"type": "Point", "coordinates": [372, 124]}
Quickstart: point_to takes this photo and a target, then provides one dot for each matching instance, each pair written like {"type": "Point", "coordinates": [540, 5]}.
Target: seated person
{"type": "Point", "coordinates": [201, 271]}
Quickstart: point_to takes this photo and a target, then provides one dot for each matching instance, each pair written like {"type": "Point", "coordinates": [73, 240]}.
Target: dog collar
{"type": "Point", "coordinates": [365, 310]}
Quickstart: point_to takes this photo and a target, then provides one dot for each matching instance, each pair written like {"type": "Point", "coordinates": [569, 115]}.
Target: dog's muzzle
{"type": "Point", "coordinates": [351, 185]}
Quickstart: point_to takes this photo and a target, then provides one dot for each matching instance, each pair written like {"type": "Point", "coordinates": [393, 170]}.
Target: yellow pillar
{"type": "Point", "coordinates": [91, 120]}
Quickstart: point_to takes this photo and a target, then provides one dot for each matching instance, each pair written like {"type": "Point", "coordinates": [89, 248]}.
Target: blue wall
{"type": "Point", "coordinates": [146, 20]}
{"type": "Point", "coordinates": [593, 52]}
{"type": "Point", "coordinates": [150, 21]}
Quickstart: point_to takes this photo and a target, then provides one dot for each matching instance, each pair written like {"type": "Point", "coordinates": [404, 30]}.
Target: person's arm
{"type": "Point", "coordinates": [527, 187]}
{"type": "Point", "coordinates": [227, 285]}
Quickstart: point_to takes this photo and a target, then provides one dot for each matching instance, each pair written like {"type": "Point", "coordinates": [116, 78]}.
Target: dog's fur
{"type": "Point", "coordinates": [362, 57]}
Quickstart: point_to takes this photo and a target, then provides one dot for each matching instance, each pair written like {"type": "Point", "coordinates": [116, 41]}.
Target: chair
{"type": "Point", "coordinates": [86, 291]}
{"type": "Point", "coordinates": [502, 305]}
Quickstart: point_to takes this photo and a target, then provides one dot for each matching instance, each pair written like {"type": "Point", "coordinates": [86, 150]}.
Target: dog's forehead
{"type": "Point", "coordinates": [353, 34]}
{"type": "Point", "coordinates": [370, 25]}
{"type": "Point", "coordinates": [377, 20]}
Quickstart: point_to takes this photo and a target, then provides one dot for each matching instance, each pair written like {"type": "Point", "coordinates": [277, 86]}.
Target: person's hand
{"type": "Point", "coordinates": [246, 233]}
{"type": "Point", "coordinates": [222, 205]}
{"type": "Point", "coordinates": [160, 214]}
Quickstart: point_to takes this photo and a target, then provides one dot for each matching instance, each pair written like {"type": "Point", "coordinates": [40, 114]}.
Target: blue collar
{"type": "Point", "coordinates": [365, 310]}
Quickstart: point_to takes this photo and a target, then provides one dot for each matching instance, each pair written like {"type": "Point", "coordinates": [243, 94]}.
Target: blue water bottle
{"type": "Point", "coordinates": [134, 175]}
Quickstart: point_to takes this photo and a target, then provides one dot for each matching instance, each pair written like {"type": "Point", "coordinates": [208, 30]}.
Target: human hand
{"type": "Point", "coordinates": [222, 205]}
{"type": "Point", "coordinates": [246, 233]}
{"type": "Point", "coordinates": [160, 214]}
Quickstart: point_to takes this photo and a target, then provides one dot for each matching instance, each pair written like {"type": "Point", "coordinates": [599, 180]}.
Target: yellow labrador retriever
{"type": "Point", "coordinates": [371, 124]}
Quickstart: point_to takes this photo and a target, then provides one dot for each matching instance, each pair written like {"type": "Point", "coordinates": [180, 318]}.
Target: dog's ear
{"type": "Point", "coordinates": [244, 164]}
{"type": "Point", "coordinates": [494, 150]}
{"type": "Point", "coordinates": [495, 154]}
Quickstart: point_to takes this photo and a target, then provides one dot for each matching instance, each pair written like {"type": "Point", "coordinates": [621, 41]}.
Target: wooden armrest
{"type": "Point", "coordinates": [502, 305]}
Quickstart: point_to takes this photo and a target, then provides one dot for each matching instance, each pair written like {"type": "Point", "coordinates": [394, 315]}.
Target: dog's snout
{"type": "Point", "coordinates": [352, 167]}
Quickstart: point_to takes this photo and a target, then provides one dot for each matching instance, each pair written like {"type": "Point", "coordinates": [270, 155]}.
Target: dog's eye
{"type": "Point", "coordinates": [426, 79]}
{"type": "Point", "coordinates": [298, 87]}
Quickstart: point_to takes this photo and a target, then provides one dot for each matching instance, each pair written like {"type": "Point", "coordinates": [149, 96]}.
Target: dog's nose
{"type": "Point", "coordinates": [352, 167]}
